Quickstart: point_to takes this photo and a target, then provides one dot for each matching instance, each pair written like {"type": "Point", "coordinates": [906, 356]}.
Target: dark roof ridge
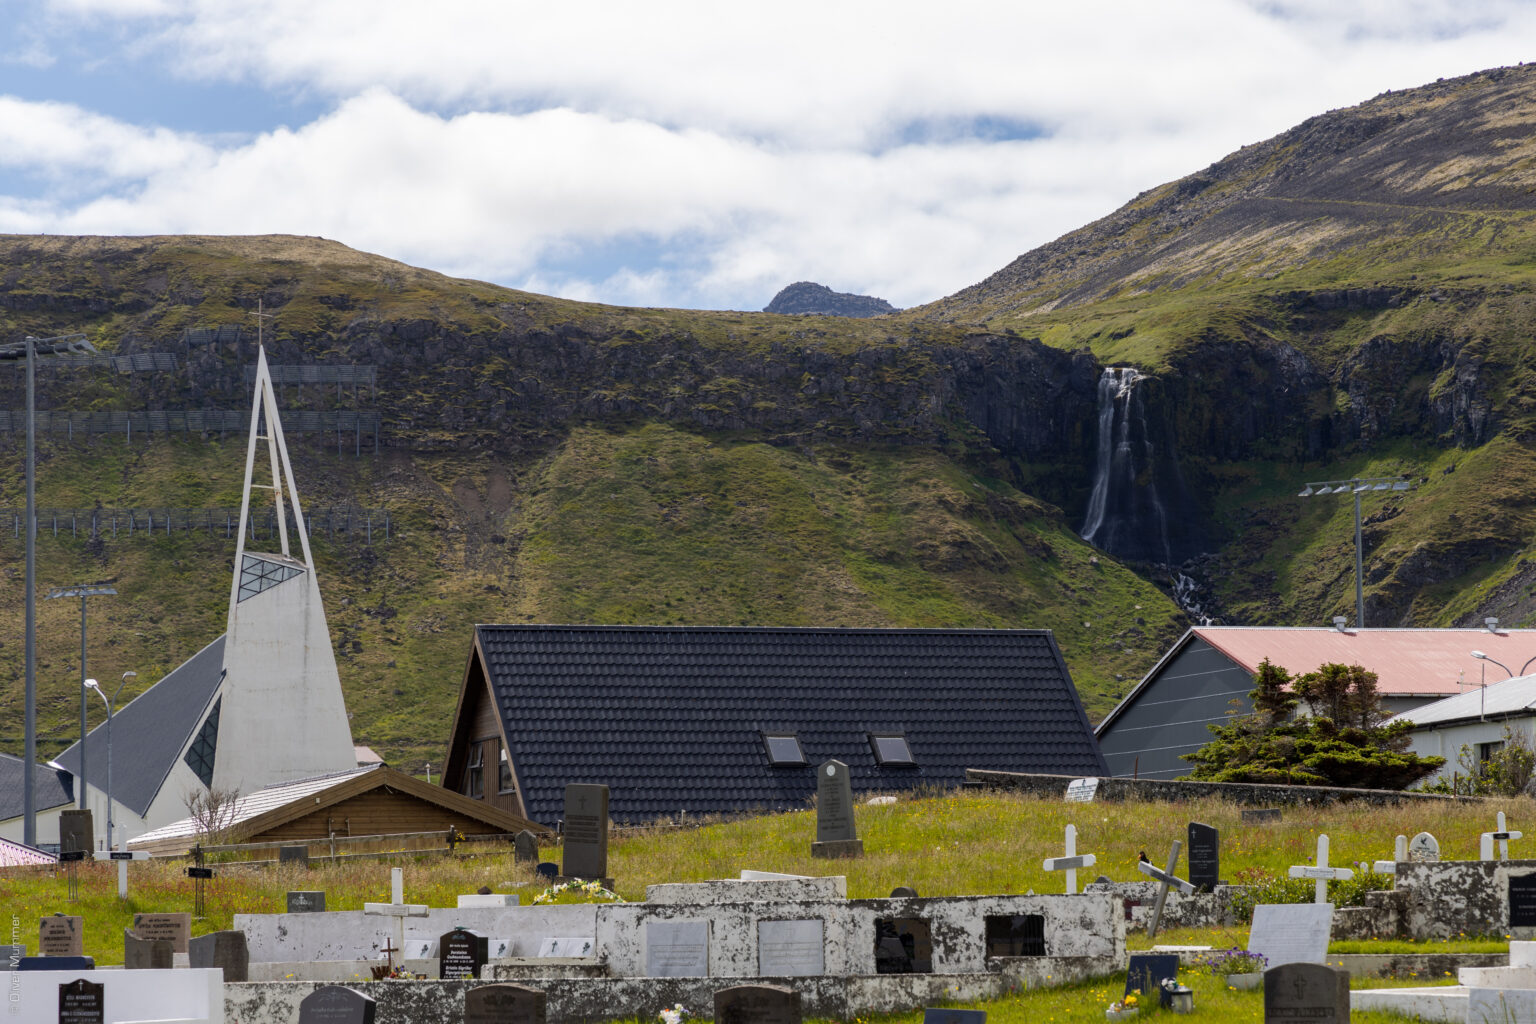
{"type": "Point", "coordinates": [881, 630]}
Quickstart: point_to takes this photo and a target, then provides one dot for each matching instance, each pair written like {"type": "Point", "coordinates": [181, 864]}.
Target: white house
{"type": "Point", "coordinates": [1476, 720]}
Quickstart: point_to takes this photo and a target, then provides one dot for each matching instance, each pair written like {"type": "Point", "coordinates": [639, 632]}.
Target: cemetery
{"type": "Point", "coordinates": [1006, 905]}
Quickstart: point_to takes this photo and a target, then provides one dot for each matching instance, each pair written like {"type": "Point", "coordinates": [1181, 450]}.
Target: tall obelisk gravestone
{"type": "Point", "coordinates": [836, 835]}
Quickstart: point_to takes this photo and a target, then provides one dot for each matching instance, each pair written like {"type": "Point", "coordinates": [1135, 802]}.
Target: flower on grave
{"type": "Point", "coordinates": [672, 1015]}
{"type": "Point", "coordinates": [578, 887]}
{"type": "Point", "coordinates": [1132, 998]}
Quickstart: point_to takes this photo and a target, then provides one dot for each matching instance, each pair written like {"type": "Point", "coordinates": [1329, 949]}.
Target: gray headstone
{"type": "Point", "coordinates": [174, 928]}
{"type": "Point", "coordinates": [586, 832]}
{"type": "Point", "coordinates": [1286, 933]}
{"type": "Point", "coordinates": [226, 950]}
{"type": "Point", "coordinates": [76, 832]}
{"type": "Point", "coordinates": [789, 949]}
{"type": "Point", "coordinates": [1015, 934]}
{"type": "Point", "coordinates": [61, 935]}
{"type": "Point", "coordinates": [504, 1004]}
{"type": "Point", "coordinates": [1315, 993]}
{"type": "Point", "coordinates": [1204, 852]}
{"type": "Point", "coordinates": [525, 847]}
{"type": "Point", "coordinates": [293, 855]}
{"type": "Point", "coordinates": [834, 804]}
{"type": "Point", "coordinates": [757, 1004]}
{"type": "Point", "coordinates": [1261, 814]}
{"type": "Point", "coordinates": [944, 1015]}
{"type": "Point", "coordinates": [141, 954]}
{"type": "Point", "coordinates": [1423, 849]}
{"type": "Point", "coordinates": [677, 949]}
{"type": "Point", "coordinates": [461, 953]}
{"type": "Point", "coordinates": [82, 1002]}
{"type": "Point", "coordinates": [903, 945]}
{"type": "Point", "coordinates": [336, 1005]}
{"type": "Point", "coordinates": [306, 901]}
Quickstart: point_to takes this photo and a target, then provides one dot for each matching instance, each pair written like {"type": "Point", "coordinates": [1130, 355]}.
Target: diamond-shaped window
{"type": "Point", "coordinates": [201, 753]}
{"type": "Point", "coordinates": [258, 574]}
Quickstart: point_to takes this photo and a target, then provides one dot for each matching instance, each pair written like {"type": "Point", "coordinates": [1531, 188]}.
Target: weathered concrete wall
{"type": "Point", "coordinates": [735, 890]}
{"type": "Point", "coordinates": [353, 935]}
{"type": "Point", "coordinates": [1247, 794]}
{"type": "Point", "coordinates": [1137, 900]}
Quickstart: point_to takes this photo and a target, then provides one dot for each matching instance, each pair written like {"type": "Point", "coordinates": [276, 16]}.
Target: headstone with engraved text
{"type": "Point", "coordinates": [757, 1004]}
{"type": "Point", "coordinates": [1204, 855]}
{"type": "Point", "coordinates": [586, 831]}
{"type": "Point", "coordinates": [1423, 849]}
{"type": "Point", "coordinates": [61, 935]}
{"type": "Point", "coordinates": [787, 949]}
{"type": "Point", "coordinates": [306, 901]}
{"type": "Point", "coordinates": [461, 954]}
{"type": "Point", "coordinates": [1315, 993]}
{"type": "Point", "coordinates": [335, 1004]}
{"type": "Point", "coordinates": [836, 833]}
{"type": "Point", "coordinates": [1522, 901]}
{"type": "Point", "coordinates": [504, 1003]}
{"type": "Point", "coordinates": [174, 928]}
{"type": "Point", "coordinates": [677, 949]}
{"type": "Point", "coordinates": [82, 1002]}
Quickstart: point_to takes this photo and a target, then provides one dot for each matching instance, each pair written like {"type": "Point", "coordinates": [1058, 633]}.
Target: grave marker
{"type": "Point", "coordinates": [226, 950]}
{"type": "Point", "coordinates": [122, 857]}
{"type": "Point", "coordinates": [306, 901]}
{"type": "Point", "coordinates": [1015, 934]}
{"type": "Point", "coordinates": [334, 1004]}
{"type": "Point", "coordinates": [1081, 791]}
{"type": "Point", "coordinates": [525, 849]}
{"type": "Point", "coordinates": [82, 1002]}
{"type": "Point", "coordinates": [757, 1004]}
{"type": "Point", "coordinates": [173, 928]}
{"type": "Point", "coordinates": [567, 946]}
{"type": "Point", "coordinates": [1399, 854]}
{"type": "Point", "coordinates": [1204, 857]}
{"type": "Point", "coordinates": [61, 935]}
{"type": "Point", "coordinates": [903, 892]}
{"type": "Point", "coordinates": [677, 949]}
{"type": "Point", "coordinates": [1286, 933]}
{"type": "Point", "coordinates": [294, 855]}
{"type": "Point", "coordinates": [1502, 835]}
{"type": "Point", "coordinates": [397, 909]}
{"type": "Point", "coordinates": [142, 954]}
{"type": "Point", "coordinates": [504, 1003]}
{"type": "Point", "coordinates": [836, 833]}
{"type": "Point", "coordinates": [1320, 871]}
{"type": "Point", "coordinates": [1070, 861]}
{"type": "Point", "coordinates": [585, 853]}
{"type": "Point", "coordinates": [461, 954]}
{"type": "Point", "coordinates": [76, 834]}
{"type": "Point", "coordinates": [903, 945]}
{"type": "Point", "coordinates": [1314, 993]}
{"type": "Point", "coordinates": [787, 949]}
{"type": "Point", "coordinates": [1424, 849]}
{"type": "Point", "coordinates": [1146, 971]}
{"type": "Point", "coordinates": [1522, 901]}
{"type": "Point", "coordinates": [1165, 878]}
{"type": "Point", "coordinates": [944, 1015]}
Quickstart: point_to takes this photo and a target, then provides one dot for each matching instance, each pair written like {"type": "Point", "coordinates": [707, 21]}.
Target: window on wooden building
{"type": "Point", "coordinates": [474, 775]}
{"type": "Point", "coordinates": [504, 782]}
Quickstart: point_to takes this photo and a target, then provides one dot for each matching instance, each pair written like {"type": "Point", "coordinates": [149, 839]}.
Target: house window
{"type": "Point", "coordinates": [504, 783]}
{"type": "Point", "coordinates": [891, 750]}
{"type": "Point", "coordinates": [1485, 751]}
{"type": "Point", "coordinates": [784, 749]}
{"type": "Point", "coordinates": [474, 775]}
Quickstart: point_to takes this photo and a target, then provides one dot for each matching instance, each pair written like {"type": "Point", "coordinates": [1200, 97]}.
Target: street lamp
{"type": "Point", "coordinates": [1356, 486]}
{"type": "Point", "coordinates": [28, 349]}
{"type": "Point", "coordinates": [93, 684]}
{"type": "Point", "coordinates": [83, 592]}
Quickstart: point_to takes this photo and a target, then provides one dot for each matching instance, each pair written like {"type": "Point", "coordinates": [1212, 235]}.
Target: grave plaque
{"type": "Point", "coordinates": [293, 855]}
{"type": "Point", "coordinates": [1204, 857]}
{"type": "Point", "coordinates": [225, 950]}
{"type": "Point", "coordinates": [1081, 791]}
{"type": "Point", "coordinates": [525, 847]}
{"type": "Point", "coordinates": [1015, 934]}
{"type": "Point", "coordinates": [1315, 993]}
{"type": "Point", "coordinates": [461, 954]}
{"type": "Point", "coordinates": [76, 834]}
{"type": "Point", "coordinates": [1261, 814]}
{"type": "Point", "coordinates": [903, 945]}
{"type": "Point", "coordinates": [944, 1015]}
{"type": "Point", "coordinates": [586, 832]}
{"type": "Point", "coordinates": [790, 949]}
{"type": "Point", "coordinates": [336, 1005]}
{"type": "Point", "coordinates": [174, 928]}
{"type": "Point", "coordinates": [677, 949]}
{"type": "Point", "coordinates": [567, 946]}
{"type": "Point", "coordinates": [1423, 849]}
{"type": "Point", "coordinates": [306, 901]}
{"type": "Point", "coordinates": [141, 954]}
{"type": "Point", "coordinates": [757, 1004]}
{"type": "Point", "coordinates": [503, 1003]}
{"type": "Point", "coordinates": [82, 1002]}
{"type": "Point", "coordinates": [1146, 972]}
{"type": "Point", "coordinates": [61, 935]}
{"type": "Point", "coordinates": [1522, 901]}
{"type": "Point", "coordinates": [1285, 933]}
{"type": "Point", "coordinates": [836, 833]}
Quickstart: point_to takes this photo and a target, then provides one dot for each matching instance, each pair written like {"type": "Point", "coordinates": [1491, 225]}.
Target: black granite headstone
{"type": "Point", "coordinates": [334, 1004]}
{"type": "Point", "coordinates": [146, 954]}
{"type": "Point", "coordinates": [525, 847]}
{"type": "Point", "coordinates": [548, 869]}
{"type": "Point", "coordinates": [944, 1015]}
{"type": "Point", "coordinates": [57, 963]}
{"type": "Point", "coordinates": [757, 1004]}
{"type": "Point", "coordinates": [461, 954]}
{"type": "Point", "coordinates": [585, 850]}
{"type": "Point", "coordinates": [1522, 901]}
{"type": "Point", "coordinates": [1146, 972]}
{"type": "Point", "coordinates": [306, 901]}
{"type": "Point", "coordinates": [1315, 993]}
{"type": "Point", "coordinates": [903, 945]}
{"type": "Point", "coordinates": [82, 1002]}
{"type": "Point", "coordinates": [504, 1004]}
{"type": "Point", "coordinates": [1015, 935]}
{"type": "Point", "coordinates": [903, 892]}
{"type": "Point", "coordinates": [226, 950]}
{"type": "Point", "coordinates": [293, 855]}
{"type": "Point", "coordinates": [1204, 857]}
{"type": "Point", "coordinates": [76, 833]}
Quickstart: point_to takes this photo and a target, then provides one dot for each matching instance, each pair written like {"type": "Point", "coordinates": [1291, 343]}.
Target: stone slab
{"type": "Point", "coordinates": [584, 851]}
{"type": "Point", "coordinates": [733, 890]}
{"type": "Point", "coordinates": [192, 996]}
{"type": "Point", "coordinates": [494, 899]}
{"type": "Point", "coordinates": [677, 949]}
{"type": "Point", "coordinates": [1285, 933]}
{"type": "Point", "coordinates": [791, 948]}
{"type": "Point", "coordinates": [61, 935]}
{"type": "Point", "coordinates": [505, 1004]}
{"type": "Point", "coordinates": [1314, 993]}
{"type": "Point", "coordinates": [173, 928]}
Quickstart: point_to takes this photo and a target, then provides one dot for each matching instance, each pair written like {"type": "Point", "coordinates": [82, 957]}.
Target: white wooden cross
{"type": "Point", "coordinates": [1320, 871]}
{"type": "Point", "coordinates": [397, 909]}
{"type": "Point", "coordinates": [1503, 835]}
{"type": "Point", "coordinates": [122, 857]}
{"type": "Point", "coordinates": [1071, 861]}
{"type": "Point", "coordinates": [1165, 877]}
{"type": "Point", "coordinates": [1399, 854]}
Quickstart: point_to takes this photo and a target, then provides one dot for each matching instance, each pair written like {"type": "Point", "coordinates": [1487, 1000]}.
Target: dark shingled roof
{"type": "Point", "coordinates": [671, 718]}
{"type": "Point", "coordinates": [149, 732]}
{"type": "Point", "coordinates": [50, 788]}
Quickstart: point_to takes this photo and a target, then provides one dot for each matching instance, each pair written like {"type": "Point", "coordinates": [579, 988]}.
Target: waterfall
{"type": "Point", "coordinates": [1127, 515]}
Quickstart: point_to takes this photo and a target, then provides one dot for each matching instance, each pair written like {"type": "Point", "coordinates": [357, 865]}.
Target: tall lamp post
{"type": "Point", "coordinates": [110, 702]}
{"type": "Point", "coordinates": [28, 349]}
{"type": "Point", "coordinates": [83, 592]}
{"type": "Point", "coordinates": [1357, 486]}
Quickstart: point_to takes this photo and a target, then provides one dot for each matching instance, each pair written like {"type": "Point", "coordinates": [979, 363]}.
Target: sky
{"type": "Point", "coordinates": [677, 152]}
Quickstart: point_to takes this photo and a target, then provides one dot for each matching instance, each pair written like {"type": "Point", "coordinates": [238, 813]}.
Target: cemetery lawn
{"type": "Point", "coordinates": [940, 844]}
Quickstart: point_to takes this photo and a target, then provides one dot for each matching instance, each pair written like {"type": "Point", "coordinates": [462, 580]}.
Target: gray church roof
{"type": "Point", "coordinates": [675, 718]}
{"type": "Point", "coordinates": [50, 787]}
{"type": "Point", "coordinates": [149, 732]}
